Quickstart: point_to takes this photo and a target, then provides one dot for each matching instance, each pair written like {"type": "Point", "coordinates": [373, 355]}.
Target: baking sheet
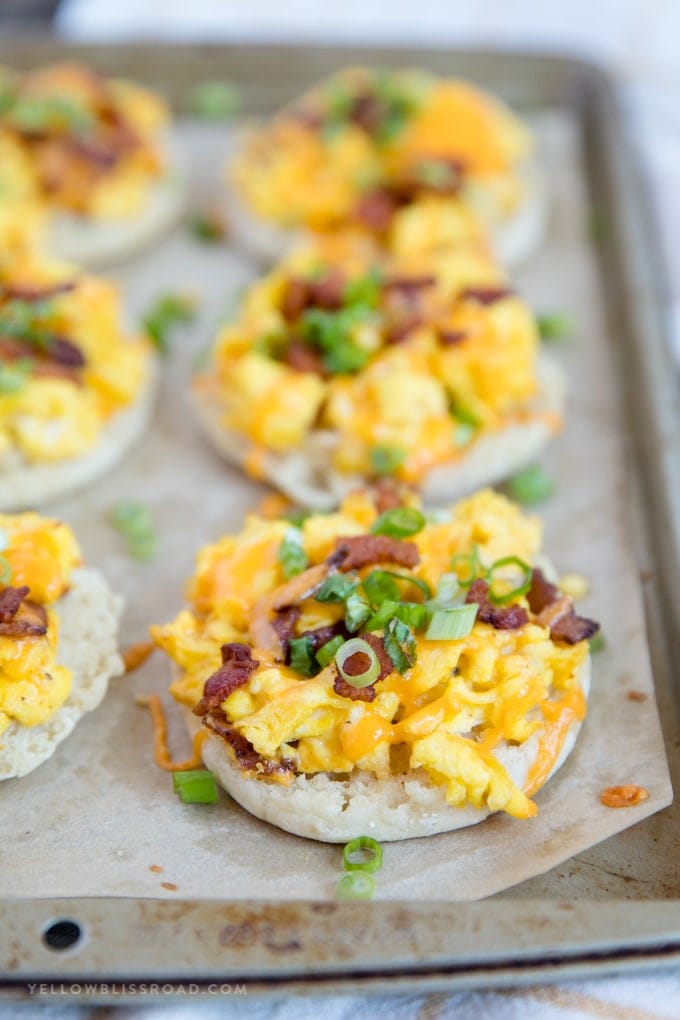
{"type": "Point", "coordinates": [98, 815]}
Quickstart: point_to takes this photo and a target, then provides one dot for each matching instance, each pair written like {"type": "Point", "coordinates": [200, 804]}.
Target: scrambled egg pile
{"type": "Point", "coordinates": [403, 132]}
{"type": "Point", "coordinates": [446, 714]}
{"type": "Point", "coordinates": [66, 366]}
{"type": "Point", "coordinates": [21, 208]}
{"type": "Point", "coordinates": [419, 357]}
{"type": "Point", "coordinates": [91, 146]}
{"type": "Point", "coordinates": [39, 553]}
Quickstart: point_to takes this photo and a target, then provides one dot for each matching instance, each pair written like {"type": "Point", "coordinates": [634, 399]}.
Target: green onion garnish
{"type": "Point", "coordinates": [214, 100]}
{"type": "Point", "coordinates": [448, 587]}
{"type": "Point", "coordinates": [471, 565]}
{"type": "Point", "coordinates": [597, 642]}
{"type": "Point", "coordinates": [357, 611]}
{"type": "Point", "coordinates": [357, 646]}
{"type": "Point", "coordinates": [380, 586]}
{"type": "Point", "coordinates": [401, 522]}
{"type": "Point", "coordinates": [195, 786]}
{"type": "Point", "coordinates": [384, 614]}
{"type": "Point", "coordinates": [208, 229]}
{"type": "Point", "coordinates": [13, 377]}
{"type": "Point", "coordinates": [532, 485]}
{"type": "Point", "coordinates": [369, 852]}
{"type": "Point", "coordinates": [400, 645]}
{"type": "Point", "coordinates": [463, 433]}
{"type": "Point", "coordinates": [167, 311]}
{"type": "Point", "coordinates": [133, 520]}
{"type": "Point", "coordinates": [452, 624]}
{"type": "Point", "coordinates": [356, 885]}
{"type": "Point", "coordinates": [297, 517]}
{"type": "Point", "coordinates": [415, 614]}
{"type": "Point", "coordinates": [302, 658]}
{"type": "Point", "coordinates": [464, 414]}
{"type": "Point", "coordinates": [292, 556]}
{"type": "Point", "coordinates": [337, 588]}
{"type": "Point", "coordinates": [327, 652]}
{"type": "Point", "coordinates": [521, 589]}
{"type": "Point", "coordinates": [555, 326]}
{"type": "Point", "coordinates": [386, 460]}
{"type": "Point", "coordinates": [363, 290]}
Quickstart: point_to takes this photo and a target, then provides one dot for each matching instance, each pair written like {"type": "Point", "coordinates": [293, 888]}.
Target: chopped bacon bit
{"type": "Point", "coordinates": [10, 600]}
{"type": "Point", "coordinates": [636, 696]}
{"type": "Point", "coordinates": [156, 868]}
{"type": "Point", "coordinates": [136, 655]}
{"type": "Point", "coordinates": [304, 359]}
{"type": "Point", "coordinates": [388, 494]}
{"type": "Point", "coordinates": [401, 331]}
{"type": "Point", "coordinates": [564, 624]}
{"type": "Point", "coordinates": [322, 635]}
{"type": "Point", "coordinates": [367, 111]}
{"type": "Point", "coordinates": [542, 593]}
{"type": "Point", "coordinates": [500, 617]}
{"type": "Point", "coordinates": [63, 352]}
{"type": "Point", "coordinates": [284, 625]}
{"type": "Point", "coordinates": [294, 299]}
{"type": "Point", "coordinates": [486, 295]}
{"type": "Point", "coordinates": [378, 646]}
{"type": "Point", "coordinates": [361, 550]}
{"type": "Point", "coordinates": [328, 292]}
{"type": "Point", "coordinates": [409, 284]}
{"type": "Point", "coordinates": [452, 337]}
{"type": "Point", "coordinates": [160, 739]}
{"type": "Point", "coordinates": [347, 690]}
{"type": "Point", "coordinates": [16, 292]}
{"type": "Point", "coordinates": [247, 758]}
{"type": "Point", "coordinates": [237, 666]}
{"type": "Point", "coordinates": [627, 795]}
{"type": "Point", "coordinates": [299, 588]}
{"type": "Point", "coordinates": [376, 208]}
{"type": "Point", "coordinates": [170, 886]}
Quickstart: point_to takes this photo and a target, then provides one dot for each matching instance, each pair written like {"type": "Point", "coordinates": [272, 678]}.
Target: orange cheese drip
{"type": "Point", "coordinates": [559, 716]}
{"type": "Point", "coordinates": [161, 750]}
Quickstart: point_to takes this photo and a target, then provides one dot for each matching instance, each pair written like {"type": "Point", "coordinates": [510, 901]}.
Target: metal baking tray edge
{"type": "Point", "coordinates": [128, 945]}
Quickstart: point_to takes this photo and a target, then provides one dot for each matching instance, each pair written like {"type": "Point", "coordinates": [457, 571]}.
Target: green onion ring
{"type": "Point", "coordinates": [360, 845]}
{"type": "Point", "coordinates": [400, 522]}
{"type": "Point", "coordinates": [356, 885]}
{"type": "Point", "coordinates": [521, 589]}
{"type": "Point", "coordinates": [356, 646]}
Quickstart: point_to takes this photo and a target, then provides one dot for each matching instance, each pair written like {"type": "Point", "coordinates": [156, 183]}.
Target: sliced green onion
{"type": "Point", "coordinates": [597, 642]}
{"type": "Point", "coordinates": [471, 562]}
{"type": "Point", "coordinates": [556, 326]}
{"type": "Point", "coordinates": [337, 588]}
{"type": "Point", "coordinates": [5, 570]}
{"type": "Point", "coordinates": [521, 589]}
{"type": "Point", "coordinates": [357, 646]}
{"type": "Point", "coordinates": [357, 611]}
{"type": "Point", "coordinates": [386, 460]}
{"type": "Point", "coordinates": [356, 885]}
{"type": "Point", "coordinates": [415, 614]}
{"type": "Point", "coordinates": [133, 520]}
{"type": "Point", "coordinates": [327, 651]}
{"type": "Point", "coordinates": [400, 645]}
{"type": "Point", "coordinates": [364, 290]}
{"type": "Point", "coordinates": [382, 617]}
{"type": "Point", "coordinates": [370, 855]}
{"type": "Point", "coordinates": [448, 587]}
{"type": "Point", "coordinates": [292, 556]}
{"type": "Point", "coordinates": [401, 522]}
{"type": "Point", "coordinates": [207, 228]}
{"type": "Point", "coordinates": [379, 585]}
{"type": "Point", "coordinates": [297, 517]}
{"type": "Point", "coordinates": [195, 786]}
{"type": "Point", "coordinates": [532, 485]}
{"type": "Point", "coordinates": [464, 414]}
{"type": "Point", "coordinates": [167, 311]}
{"type": "Point", "coordinates": [302, 658]}
{"type": "Point", "coordinates": [214, 100]}
{"type": "Point", "coordinates": [452, 624]}
{"type": "Point", "coordinates": [463, 433]}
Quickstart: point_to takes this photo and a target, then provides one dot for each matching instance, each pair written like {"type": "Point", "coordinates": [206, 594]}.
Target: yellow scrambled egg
{"type": "Point", "coordinates": [55, 400]}
{"type": "Point", "coordinates": [93, 146]}
{"type": "Point", "coordinates": [403, 132]}
{"type": "Point", "coordinates": [445, 714]}
{"type": "Point", "coordinates": [21, 208]}
{"type": "Point", "coordinates": [420, 370]}
{"type": "Point", "coordinates": [38, 553]}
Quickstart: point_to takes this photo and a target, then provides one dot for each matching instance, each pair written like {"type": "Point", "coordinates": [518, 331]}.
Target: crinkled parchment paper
{"type": "Point", "coordinates": [93, 820]}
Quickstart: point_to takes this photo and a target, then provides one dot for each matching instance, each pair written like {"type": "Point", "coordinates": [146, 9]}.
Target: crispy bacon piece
{"type": "Point", "coordinates": [486, 295]}
{"type": "Point", "coordinates": [358, 551]}
{"type": "Point", "coordinates": [402, 330]}
{"type": "Point", "coordinates": [410, 285]}
{"type": "Point", "coordinates": [542, 593]}
{"type": "Point", "coordinates": [65, 353]}
{"type": "Point", "coordinates": [30, 620]}
{"type": "Point", "coordinates": [345, 689]}
{"type": "Point", "coordinates": [237, 666]}
{"type": "Point", "coordinates": [10, 600]}
{"type": "Point", "coordinates": [367, 112]}
{"type": "Point", "coordinates": [284, 623]}
{"type": "Point", "coordinates": [388, 494]}
{"type": "Point", "coordinates": [327, 293]}
{"type": "Point", "coordinates": [564, 623]}
{"type": "Point", "coordinates": [304, 359]}
{"type": "Point", "coordinates": [452, 337]}
{"type": "Point", "coordinates": [294, 299]}
{"type": "Point", "coordinates": [247, 758]}
{"type": "Point", "coordinates": [17, 292]}
{"type": "Point", "coordinates": [376, 208]}
{"type": "Point", "coordinates": [322, 635]}
{"type": "Point", "coordinates": [500, 617]}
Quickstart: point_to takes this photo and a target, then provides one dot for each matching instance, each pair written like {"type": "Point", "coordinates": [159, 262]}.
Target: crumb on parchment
{"type": "Point", "coordinates": [627, 795]}
{"type": "Point", "coordinates": [156, 868]}
{"type": "Point", "coordinates": [136, 655]}
{"type": "Point", "coordinates": [636, 696]}
{"type": "Point", "coordinates": [169, 885]}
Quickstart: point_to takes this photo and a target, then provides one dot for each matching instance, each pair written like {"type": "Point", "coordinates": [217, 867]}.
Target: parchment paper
{"type": "Point", "coordinates": [95, 818]}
